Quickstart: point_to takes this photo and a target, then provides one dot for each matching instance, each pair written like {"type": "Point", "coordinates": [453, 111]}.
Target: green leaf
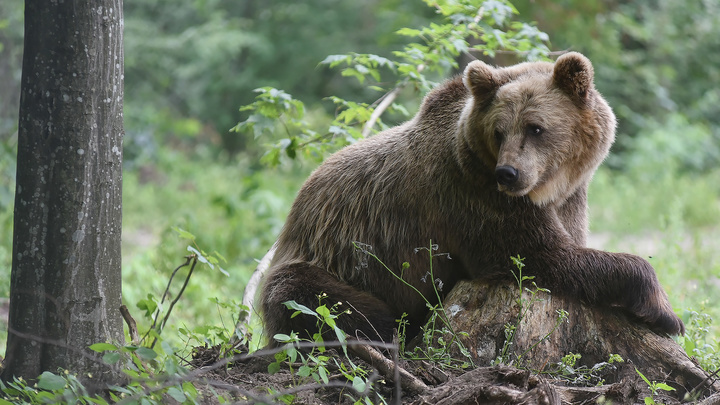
{"type": "Point", "coordinates": [149, 305]}
{"type": "Point", "coordinates": [102, 347]}
{"type": "Point", "coordinates": [323, 375]}
{"type": "Point", "coordinates": [51, 382]}
{"type": "Point", "coordinates": [359, 384]}
{"type": "Point", "coordinates": [183, 233]}
{"type": "Point", "coordinates": [299, 307]}
{"type": "Point", "coordinates": [190, 390]}
{"type": "Point", "coordinates": [380, 61]}
{"type": "Point", "coordinates": [334, 60]}
{"type": "Point", "coordinates": [304, 371]}
{"type": "Point", "coordinates": [111, 358]}
{"type": "Point", "coordinates": [292, 353]}
{"type": "Point", "coordinates": [323, 311]}
{"type": "Point", "coordinates": [167, 348]}
{"type": "Point", "coordinates": [350, 72]}
{"type": "Point", "coordinates": [287, 398]}
{"type": "Point", "coordinates": [664, 387]}
{"type": "Point", "coordinates": [145, 353]}
{"type": "Point", "coordinates": [176, 394]}
{"type": "Point", "coordinates": [46, 397]}
{"type": "Point", "coordinates": [643, 377]}
{"type": "Point", "coordinates": [340, 334]}
{"type": "Point", "coordinates": [408, 32]}
{"type": "Point", "coordinates": [200, 256]}
{"type": "Point", "coordinates": [171, 366]}
{"type": "Point", "coordinates": [281, 337]}
{"type": "Point", "coordinates": [219, 256]}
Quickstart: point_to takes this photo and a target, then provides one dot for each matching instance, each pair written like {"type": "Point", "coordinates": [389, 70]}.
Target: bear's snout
{"type": "Point", "coordinates": [506, 175]}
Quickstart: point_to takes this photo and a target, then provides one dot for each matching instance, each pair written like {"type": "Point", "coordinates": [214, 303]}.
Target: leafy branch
{"type": "Point", "coordinates": [467, 27]}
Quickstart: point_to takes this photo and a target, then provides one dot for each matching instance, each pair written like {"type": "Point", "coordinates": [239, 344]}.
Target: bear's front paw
{"type": "Point", "coordinates": [644, 297]}
{"type": "Point", "coordinates": [656, 311]}
{"type": "Point", "coordinates": [668, 322]}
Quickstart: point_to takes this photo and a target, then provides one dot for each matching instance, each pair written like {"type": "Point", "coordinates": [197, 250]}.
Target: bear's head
{"type": "Point", "coordinates": [542, 127]}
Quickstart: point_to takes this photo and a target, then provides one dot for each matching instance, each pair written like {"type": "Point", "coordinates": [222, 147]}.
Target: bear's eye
{"type": "Point", "coordinates": [534, 130]}
{"type": "Point", "coordinates": [498, 136]}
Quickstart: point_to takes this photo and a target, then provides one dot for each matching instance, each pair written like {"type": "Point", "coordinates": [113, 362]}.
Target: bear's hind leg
{"type": "Point", "coordinates": [369, 317]}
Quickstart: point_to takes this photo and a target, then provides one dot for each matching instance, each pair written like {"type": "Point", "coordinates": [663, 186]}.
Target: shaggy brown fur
{"type": "Point", "coordinates": [496, 163]}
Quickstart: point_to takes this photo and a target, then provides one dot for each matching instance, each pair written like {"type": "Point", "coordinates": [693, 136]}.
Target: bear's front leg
{"type": "Point", "coordinates": [609, 279]}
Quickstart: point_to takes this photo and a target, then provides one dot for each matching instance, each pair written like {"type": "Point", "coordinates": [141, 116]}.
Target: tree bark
{"type": "Point", "coordinates": [483, 311]}
{"type": "Point", "coordinates": [66, 270]}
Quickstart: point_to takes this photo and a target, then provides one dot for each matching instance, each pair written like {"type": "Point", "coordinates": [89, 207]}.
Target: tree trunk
{"type": "Point", "coordinates": [483, 311]}
{"type": "Point", "coordinates": [66, 274]}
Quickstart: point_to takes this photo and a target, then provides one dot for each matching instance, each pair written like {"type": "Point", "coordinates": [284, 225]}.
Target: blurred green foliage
{"type": "Point", "coordinates": [466, 28]}
{"type": "Point", "coordinates": [202, 59]}
{"type": "Point", "coordinates": [188, 65]}
{"type": "Point", "coordinates": [654, 60]}
{"type": "Point", "coordinates": [191, 65]}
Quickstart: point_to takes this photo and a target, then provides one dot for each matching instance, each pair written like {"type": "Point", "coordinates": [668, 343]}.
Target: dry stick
{"type": "Point", "coordinates": [387, 100]}
{"type": "Point", "coordinates": [241, 326]}
{"type": "Point", "coordinates": [177, 298]}
{"type": "Point", "coordinates": [384, 104]}
{"type": "Point", "coordinates": [704, 382]}
{"type": "Point", "coordinates": [167, 289]}
{"type": "Point", "coordinates": [389, 368]}
{"type": "Point", "coordinates": [132, 326]}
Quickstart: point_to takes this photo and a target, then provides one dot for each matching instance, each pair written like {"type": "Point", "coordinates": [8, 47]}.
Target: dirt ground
{"type": "Point", "coordinates": [249, 382]}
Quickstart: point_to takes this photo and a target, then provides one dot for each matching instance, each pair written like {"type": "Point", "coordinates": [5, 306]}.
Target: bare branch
{"type": "Point", "coordinates": [387, 100]}
{"type": "Point", "coordinates": [389, 368]}
{"type": "Point", "coordinates": [132, 326]}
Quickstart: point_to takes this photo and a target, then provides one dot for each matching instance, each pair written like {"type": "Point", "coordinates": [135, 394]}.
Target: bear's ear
{"type": "Point", "coordinates": [482, 80]}
{"type": "Point", "coordinates": [573, 73]}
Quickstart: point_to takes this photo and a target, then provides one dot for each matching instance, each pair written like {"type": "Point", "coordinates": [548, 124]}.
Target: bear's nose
{"type": "Point", "coordinates": [506, 175]}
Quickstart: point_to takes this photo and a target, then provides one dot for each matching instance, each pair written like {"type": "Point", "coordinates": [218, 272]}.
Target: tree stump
{"type": "Point", "coordinates": [483, 310]}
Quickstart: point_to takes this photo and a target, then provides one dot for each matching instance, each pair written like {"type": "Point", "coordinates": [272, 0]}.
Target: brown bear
{"type": "Point", "coordinates": [495, 164]}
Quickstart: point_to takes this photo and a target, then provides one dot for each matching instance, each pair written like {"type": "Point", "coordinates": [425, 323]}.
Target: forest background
{"type": "Point", "coordinates": [190, 66]}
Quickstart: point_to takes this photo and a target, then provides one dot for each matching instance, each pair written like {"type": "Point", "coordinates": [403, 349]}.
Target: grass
{"type": "Point", "coordinates": [671, 219]}
{"type": "Point", "coordinates": [230, 209]}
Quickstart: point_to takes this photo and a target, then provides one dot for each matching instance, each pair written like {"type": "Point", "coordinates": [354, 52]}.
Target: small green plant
{"type": "Point", "coordinates": [155, 377]}
{"type": "Point", "coordinates": [314, 363]}
{"type": "Point", "coordinates": [697, 341]}
{"type": "Point", "coordinates": [436, 347]}
{"type": "Point", "coordinates": [568, 370]}
{"type": "Point", "coordinates": [156, 372]}
{"type": "Point", "coordinates": [524, 305]}
{"type": "Point", "coordinates": [655, 387]}
{"type": "Point", "coordinates": [226, 338]}
{"type": "Point", "coordinates": [308, 359]}
{"type": "Point", "coordinates": [154, 308]}
{"type": "Point", "coordinates": [50, 388]}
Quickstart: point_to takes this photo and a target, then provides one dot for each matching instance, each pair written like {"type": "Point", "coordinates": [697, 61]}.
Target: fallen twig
{"type": "Point", "coordinates": [389, 368]}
